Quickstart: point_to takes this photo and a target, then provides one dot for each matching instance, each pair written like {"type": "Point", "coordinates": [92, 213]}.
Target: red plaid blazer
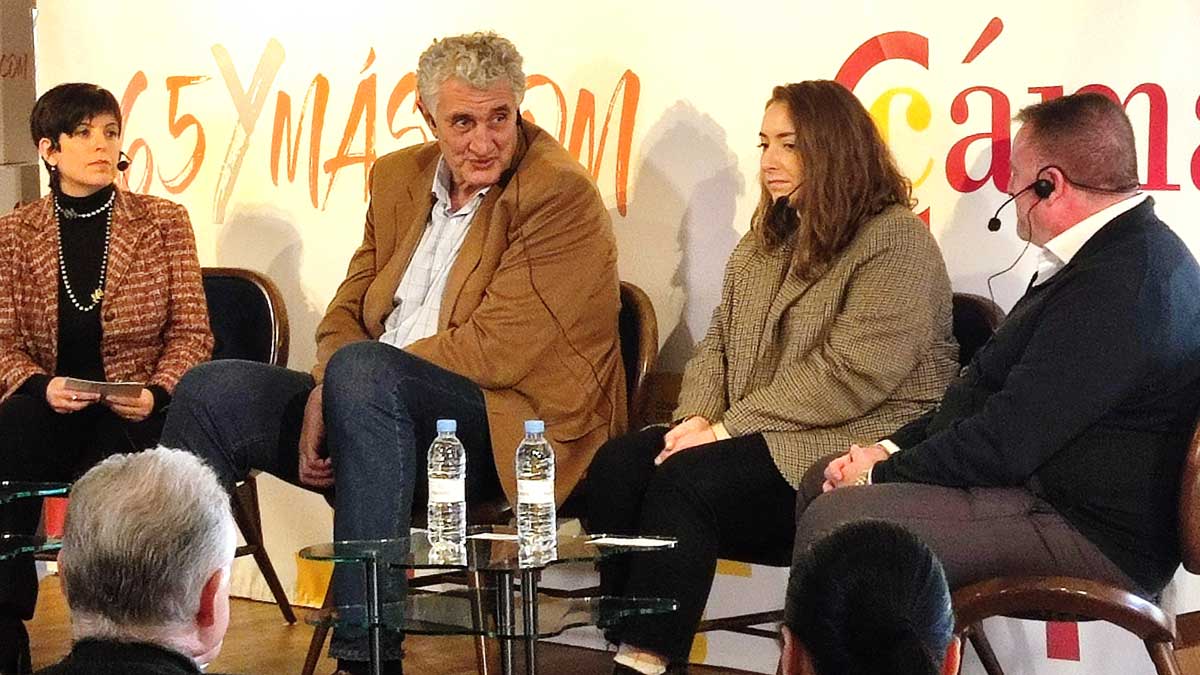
{"type": "Point", "coordinates": [154, 320]}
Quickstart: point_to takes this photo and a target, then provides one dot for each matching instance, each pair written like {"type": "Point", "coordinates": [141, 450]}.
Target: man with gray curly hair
{"type": "Point", "coordinates": [485, 290]}
{"type": "Point", "coordinates": [145, 565]}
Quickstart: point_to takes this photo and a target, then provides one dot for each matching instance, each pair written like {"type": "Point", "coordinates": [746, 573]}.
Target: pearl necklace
{"type": "Point", "coordinates": [71, 214]}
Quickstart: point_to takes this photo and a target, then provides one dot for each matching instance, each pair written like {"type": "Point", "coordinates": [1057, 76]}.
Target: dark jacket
{"type": "Point", "coordinates": [1087, 395]}
{"type": "Point", "coordinates": [107, 657]}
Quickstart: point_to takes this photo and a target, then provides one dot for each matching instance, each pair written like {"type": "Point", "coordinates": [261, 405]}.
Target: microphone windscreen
{"type": "Point", "coordinates": [994, 224]}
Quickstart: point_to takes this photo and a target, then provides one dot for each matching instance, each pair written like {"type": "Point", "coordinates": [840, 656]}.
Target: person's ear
{"type": "Point", "coordinates": [953, 657]}
{"type": "Point", "coordinates": [794, 658]}
{"type": "Point", "coordinates": [47, 149]}
{"type": "Point", "coordinates": [209, 597]}
{"type": "Point", "coordinates": [427, 116]}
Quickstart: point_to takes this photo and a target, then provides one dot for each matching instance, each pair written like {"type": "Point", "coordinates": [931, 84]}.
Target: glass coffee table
{"type": "Point", "coordinates": [490, 605]}
{"type": "Point", "coordinates": [13, 545]}
{"type": "Point", "coordinates": [12, 490]}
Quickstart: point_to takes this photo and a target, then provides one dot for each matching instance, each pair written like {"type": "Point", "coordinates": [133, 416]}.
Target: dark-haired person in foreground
{"type": "Point", "coordinates": [1058, 450]}
{"type": "Point", "coordinates": [144, 565]}
{"type": "Point", "coordinates": [96, 283]}
{"type": "Point", "coordinates": [869, 598]}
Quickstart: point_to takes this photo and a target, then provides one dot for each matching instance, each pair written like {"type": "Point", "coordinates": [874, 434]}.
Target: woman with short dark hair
{"type": "Point", "coordinates": [97, 284]}
{"type": "Point", "coordinates": [833, 327]}
{"type": "Point", "coordinates": [869, 599]}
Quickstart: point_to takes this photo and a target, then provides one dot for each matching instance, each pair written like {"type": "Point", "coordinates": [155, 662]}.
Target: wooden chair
{"type": "Point", "coordinates": [638, 328]}
{"type": "Point", "coordinates": [1075, 599]}
{"type": "Point", "coordinates": [976, 318]}
{"type": "Point", "coordinates": [249, 321]}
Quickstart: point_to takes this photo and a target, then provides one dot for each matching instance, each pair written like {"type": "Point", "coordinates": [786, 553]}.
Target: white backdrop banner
{"type": "Point", "coordinates": [264, 118]}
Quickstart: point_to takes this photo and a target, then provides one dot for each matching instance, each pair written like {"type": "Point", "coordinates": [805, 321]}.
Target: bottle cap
{"type": "Point", "coordinates": [446, 426]}
{"type": "Point", "coordinates": [535, 427]}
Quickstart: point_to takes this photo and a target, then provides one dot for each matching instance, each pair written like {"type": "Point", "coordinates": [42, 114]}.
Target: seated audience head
{"type": "Point", "coordinates": [77, 130]}
{"type": "Point", "coordinates": [470, 89]}
{"type": "Point", "coordinates": [824, 170]}
{"type": "Point", "coordinates": [146, 553]}
{"type": "Point", "coordinates": [1082, 147]}
{"type": "Point", "coordinates": [869, 598]}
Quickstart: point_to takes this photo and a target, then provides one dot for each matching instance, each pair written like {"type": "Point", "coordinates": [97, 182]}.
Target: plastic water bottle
{"type": "Point", "coordinates": [447, 470]}
{"type": "Point", "coordinates": [537, 538]}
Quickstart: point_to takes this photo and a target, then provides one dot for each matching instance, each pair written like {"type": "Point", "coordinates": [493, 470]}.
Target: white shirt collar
{"type": "Point", "coordinates": [1059, 251]}
{"type": "Point", "coordinates": [442, 184]}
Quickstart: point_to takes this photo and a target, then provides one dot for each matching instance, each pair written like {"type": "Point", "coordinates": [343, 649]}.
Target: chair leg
{"type": "Point", "coordinates": [249, 520]}
{"type": "Point", "coordinates": [1163, 656]}
{"type": "Point", "coordinates": [983, 649]}
{"type": "Point", "coordinates": [320, 632]}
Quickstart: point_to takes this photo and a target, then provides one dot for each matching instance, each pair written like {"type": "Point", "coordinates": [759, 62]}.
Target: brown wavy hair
{"type": "Point", "coordinates": [848, 176]}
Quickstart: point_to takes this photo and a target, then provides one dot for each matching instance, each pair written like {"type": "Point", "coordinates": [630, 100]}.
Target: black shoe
{"type": "Point", "coordinates": [14, 647]}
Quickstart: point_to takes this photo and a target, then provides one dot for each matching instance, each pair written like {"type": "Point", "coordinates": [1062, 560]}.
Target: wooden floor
{"type": "Point", "coordinates": [259, 642]}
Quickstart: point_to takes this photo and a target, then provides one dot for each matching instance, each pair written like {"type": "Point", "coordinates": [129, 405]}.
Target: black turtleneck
{"type": "Point", "coordinates": [79, 332]}
{"type": "Point", "coordinates": [82, 241]}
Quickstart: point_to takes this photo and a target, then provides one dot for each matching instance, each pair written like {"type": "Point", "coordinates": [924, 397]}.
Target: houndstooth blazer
{"type": "Point", "coordinates": [845, 359]}
{"type": "Point", "coordinates": [154, 320]}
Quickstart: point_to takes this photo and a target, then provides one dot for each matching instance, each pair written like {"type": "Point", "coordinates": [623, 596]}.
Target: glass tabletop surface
{"type": "Point", "coordinates": [489, 548]}
{"type": "Point", "coordinates": [15, 489]}
{"type": "Point", "coordinates": [463, 612]}
{"type": "Point", "coordinates": [13, 545]}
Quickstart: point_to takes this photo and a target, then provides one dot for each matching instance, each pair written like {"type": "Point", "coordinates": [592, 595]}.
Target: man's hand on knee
{"type": "Point", "coordinates": [316, 469]}
{"type": "Point", "coordinates": [853, 467]}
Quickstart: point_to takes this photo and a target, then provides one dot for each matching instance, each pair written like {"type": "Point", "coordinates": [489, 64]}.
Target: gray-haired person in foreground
{"type": "Point", "coordinates": [145, 565]}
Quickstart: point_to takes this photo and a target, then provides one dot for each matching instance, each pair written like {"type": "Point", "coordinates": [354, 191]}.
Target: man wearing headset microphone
{"type": "Point", "coordinates": [1059, 448]}
{"type": "Point", "coordinates": [485, 290]}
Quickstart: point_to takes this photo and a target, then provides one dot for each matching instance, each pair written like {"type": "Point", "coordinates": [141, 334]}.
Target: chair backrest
{"type": "Point", "coordinates": [1189, 506]}
{"type": "Point", "coordinates": [638, 328]}
{"type": "Point", "coordinates": [247, 315]}
{"type": "Point", "coordinates": [975, 319]}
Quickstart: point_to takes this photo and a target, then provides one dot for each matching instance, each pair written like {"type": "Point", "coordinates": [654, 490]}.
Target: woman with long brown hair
{"type": "Point", "coordinates": [833, 327]}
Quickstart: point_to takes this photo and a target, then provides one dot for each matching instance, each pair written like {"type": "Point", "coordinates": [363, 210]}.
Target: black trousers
{"type": "Point", "coordinates": [720, 500]}
{"type": "Point", "coordinates": [38, 444]}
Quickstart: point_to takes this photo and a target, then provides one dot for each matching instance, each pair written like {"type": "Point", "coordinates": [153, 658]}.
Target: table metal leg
{"type": "Point", "coordinates": [479, 619]}
{"type": "Point", "coordinates": [374, 626]}
{"type": "Point", "coordinates": [505, 620]}
{"type": "Point", "coordinates": [529, 614]}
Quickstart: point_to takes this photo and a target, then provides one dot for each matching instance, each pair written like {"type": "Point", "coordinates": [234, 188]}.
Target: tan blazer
{"type": "Point", "coordinates": [153, 321]}
{"type": "Point", "coordinates": [848, 358]}
{"type": "Point", "coordinates": [530, 308]}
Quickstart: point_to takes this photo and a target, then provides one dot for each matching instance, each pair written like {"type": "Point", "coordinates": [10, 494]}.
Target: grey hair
{"type": "Point", "coordinates": [144, 533]}
{"type": "Point", "coordinates": [480, 59]}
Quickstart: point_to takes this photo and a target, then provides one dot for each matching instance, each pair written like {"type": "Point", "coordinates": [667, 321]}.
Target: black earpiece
{"type": "Point", "coordinates": [124, 162]}
{"type": "Point", "coordinates": [1042, 187]}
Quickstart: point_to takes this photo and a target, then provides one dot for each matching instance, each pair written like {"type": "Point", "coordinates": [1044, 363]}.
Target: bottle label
{"type": "Point", "coordinates": [447, 490]}
{"type": "Point", "coordinates": [535, 492]}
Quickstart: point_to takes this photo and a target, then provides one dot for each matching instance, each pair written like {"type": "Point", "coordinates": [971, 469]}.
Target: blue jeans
{"type": "Point", "coordinates": [380, 410]}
